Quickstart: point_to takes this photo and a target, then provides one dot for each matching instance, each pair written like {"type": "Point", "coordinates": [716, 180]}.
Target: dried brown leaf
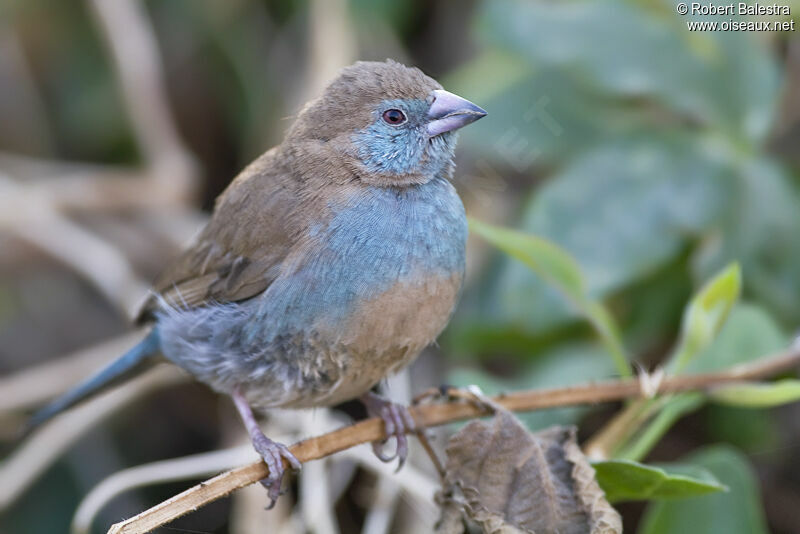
{"type": "Point", "coordinates": [509, 481]}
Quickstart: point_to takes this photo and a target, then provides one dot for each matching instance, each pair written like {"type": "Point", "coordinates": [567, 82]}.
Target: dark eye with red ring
{"type": "Point", "coordinates": [394, 117]}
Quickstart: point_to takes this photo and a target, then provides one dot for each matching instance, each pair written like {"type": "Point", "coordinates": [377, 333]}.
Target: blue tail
{"type": "Point", "coordinates": [131, 363]}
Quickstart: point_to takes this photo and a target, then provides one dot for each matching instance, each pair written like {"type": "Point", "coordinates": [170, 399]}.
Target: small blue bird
{"type": "Point", "coordinates": [330, 262]}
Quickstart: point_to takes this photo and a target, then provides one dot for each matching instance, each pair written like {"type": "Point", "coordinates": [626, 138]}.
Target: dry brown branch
{"type": "Point", "coordinates": [439, 414]}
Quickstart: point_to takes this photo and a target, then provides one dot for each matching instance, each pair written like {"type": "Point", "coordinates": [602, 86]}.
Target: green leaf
{"type": "Point", "coordinates": [737, 511]}
{"type": "Point", "coordinates": [538, 116]}
{"type": "Point", "coordinates": [728, 79]}
{"type": "Point", "coordinates": [757, 395]}
{"type": "Point", "coordinates": [625, 480]}
{"type": "Point", "coordinates": [621, 211]}
{"type": "Point", "coordinates": [557, 267]}
{"type": "Point", "coordinates": [705, 315]}
{"type": "Point", "coordinates": [759, 229]}
{"type": "Point", "coordinates": [538, 254]}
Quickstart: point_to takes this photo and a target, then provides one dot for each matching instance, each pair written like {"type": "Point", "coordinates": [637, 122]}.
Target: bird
{"type": "Point", "coordinates": [328, 263]}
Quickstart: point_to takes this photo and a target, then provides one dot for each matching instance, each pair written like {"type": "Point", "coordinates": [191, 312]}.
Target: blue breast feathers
{"type": "Point", "coordinates": [378, 238]}
{"type": "Point", "coordinates": [285, 344]}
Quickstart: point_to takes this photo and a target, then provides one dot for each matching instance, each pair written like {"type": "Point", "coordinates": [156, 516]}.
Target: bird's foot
{"type": "Point", "coordinates": [271, 452]}
{"type": "Point", "coordinates": [397, 421]}
{"type": "Point", "coordinates": [274, 454]}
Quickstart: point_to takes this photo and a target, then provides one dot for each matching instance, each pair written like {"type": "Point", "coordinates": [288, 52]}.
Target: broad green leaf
{"type": "Point", "coordinates": [621, 211]}
{"type": "Point", "coordinates": [558, 268]}
{"type": "Point", "coordinates": [728, 79]}
{"type": "Point", "coordinates": [737, 511]}
{"type": "Point", "coordinates": [757, 395]}
{"type": "Point", "coordinates": [539, 116]}
{"type": "Point", "coordinates": [625, 208]}
{"type": "Point", "coordinates": [625, 480]}
{"type": "Point", "coordinates": [759, 229]}
{"type": "Point", "coordinates": [748, 334]}
{"type": "Point", "coordinates": [705, 315]}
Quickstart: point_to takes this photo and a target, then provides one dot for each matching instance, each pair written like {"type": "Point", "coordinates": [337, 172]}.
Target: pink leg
{"type": "Point", "coordinates": [397, 421]}
{"type": "Point", "coordinates": [273, 453]}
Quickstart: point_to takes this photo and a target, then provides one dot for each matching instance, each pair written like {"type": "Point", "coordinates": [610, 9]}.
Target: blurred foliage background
{"type": "Point", "coordinates": [652, 155]}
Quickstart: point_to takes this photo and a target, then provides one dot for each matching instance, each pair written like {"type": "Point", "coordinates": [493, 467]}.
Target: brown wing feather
{"type": "Point", "coordinates": [237, 255]}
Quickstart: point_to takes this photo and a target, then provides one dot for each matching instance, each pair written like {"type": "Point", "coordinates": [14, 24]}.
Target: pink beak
{"type": "Point", "coordinates": [450, 112]}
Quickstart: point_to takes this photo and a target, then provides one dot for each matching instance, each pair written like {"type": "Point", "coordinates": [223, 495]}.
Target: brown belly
{"type": "Point", "coordinates": [388, 332]}
{"type": "Point", "coordinates": [380, 337]}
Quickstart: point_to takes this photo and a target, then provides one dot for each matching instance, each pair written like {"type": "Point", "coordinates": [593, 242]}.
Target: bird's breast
{"type": "Point", "coordinates": [374, 285]}
{"type": "Point", "coordinates": [394, 252]}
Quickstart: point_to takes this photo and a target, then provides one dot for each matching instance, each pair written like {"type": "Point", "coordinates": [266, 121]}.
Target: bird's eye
{"type": "Point", "coordinates": [394, 116]}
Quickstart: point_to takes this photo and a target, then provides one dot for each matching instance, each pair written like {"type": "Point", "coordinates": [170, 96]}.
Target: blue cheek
{"type": "Point", "coordinates": [404, 149]}
{"type": "Point", "coordinates": [390, 149]}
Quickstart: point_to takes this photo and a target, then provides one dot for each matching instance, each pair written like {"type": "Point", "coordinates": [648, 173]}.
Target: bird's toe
{"type": "Point", "coordinates": [397, 423]}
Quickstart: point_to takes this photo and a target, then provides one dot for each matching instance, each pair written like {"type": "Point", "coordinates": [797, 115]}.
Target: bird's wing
{"type": "Point", "coordinates": [238, 254]}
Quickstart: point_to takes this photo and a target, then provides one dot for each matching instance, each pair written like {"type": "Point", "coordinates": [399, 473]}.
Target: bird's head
{"type": "Point", "coordinates": [387, 123]}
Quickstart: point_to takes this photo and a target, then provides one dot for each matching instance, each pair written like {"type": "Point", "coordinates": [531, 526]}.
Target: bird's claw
{"type": "Point", "coordinates": [397, 423]}
{"type": "Point", "coordinates": [273, 455]}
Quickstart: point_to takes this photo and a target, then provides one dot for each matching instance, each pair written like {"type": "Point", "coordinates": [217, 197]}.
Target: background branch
{"type": "Point", "coordinates": [134, 51]}
{"type": "Point", "coordinates": [439, 414]}
{"type": "Point", "coordinates": [33, 456]}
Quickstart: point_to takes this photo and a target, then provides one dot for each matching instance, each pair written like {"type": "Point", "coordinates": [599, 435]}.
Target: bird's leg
{"type": "Point", "coordinates": [397, 421]}
{"type": "Point", "coordinates": [273, 453]}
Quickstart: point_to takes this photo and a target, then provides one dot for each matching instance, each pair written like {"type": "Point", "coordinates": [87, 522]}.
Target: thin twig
{"type": "Point", "coordinates": [439, 414]}
{"type": "Point", "coordinates": [316, 505]}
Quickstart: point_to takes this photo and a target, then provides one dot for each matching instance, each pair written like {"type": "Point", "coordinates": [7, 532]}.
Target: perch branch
{"type": "Point", "coordinates": [439, 414]}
